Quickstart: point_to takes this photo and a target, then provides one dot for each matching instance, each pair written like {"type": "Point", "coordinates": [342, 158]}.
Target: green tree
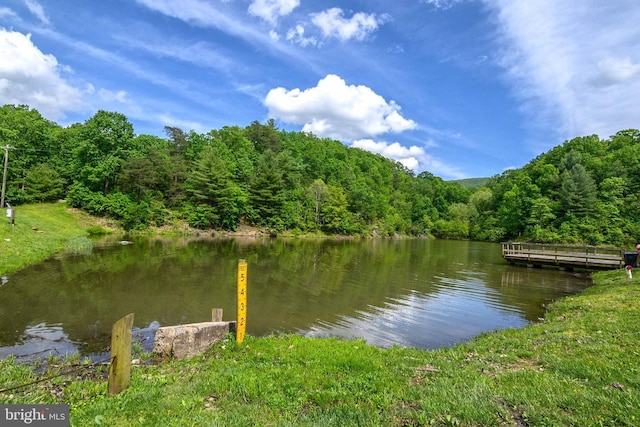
{"type": "Point", "coordinates": [148, 176]}
{"type": "Point", "coordinates": [106, 142]}
{"type": "Point", "coordinates": [244, 156]}
{"type": "Point", "coordinates": [511, 212]}
{"type": "Point", "coordinates": [267, 197]}
{"type": "Point", "coordinates": [480, 209]}
{"type": "Point", "coordinates": [43, 184]}
{"type": "Point", "coordinates": [30, 136]}
{"type": "Point", "coordinates": [456, 223]}
{"type": "Point", "coordinates": [578, 192]}
{"type": "Point", "coordinates": [335, 215]}
{"type": "Point", "coordinates": [211, 183]}
{"type": "Point", "coordinates": [318, 192]}
{"type": "Point", "coordinates": [264, 137]}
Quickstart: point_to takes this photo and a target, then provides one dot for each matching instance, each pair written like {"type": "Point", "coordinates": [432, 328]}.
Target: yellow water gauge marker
{"type": "Point", "coordinates": [242, 301]}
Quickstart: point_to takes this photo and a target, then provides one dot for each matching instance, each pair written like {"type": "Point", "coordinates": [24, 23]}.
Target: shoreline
{"type": "Point", "coordinates": [576, 367]}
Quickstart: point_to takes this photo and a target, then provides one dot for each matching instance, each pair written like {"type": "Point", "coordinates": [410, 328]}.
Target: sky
{"type": "Point", "coordinates": [458, 88]}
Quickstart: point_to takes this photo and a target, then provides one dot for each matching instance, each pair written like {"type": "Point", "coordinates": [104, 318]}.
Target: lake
{"type": "Point", "coordinates": [418, 293]}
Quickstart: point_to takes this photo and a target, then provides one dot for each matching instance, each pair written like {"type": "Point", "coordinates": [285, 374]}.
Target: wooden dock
{"type": "Point", "coordinates": [566, 257]}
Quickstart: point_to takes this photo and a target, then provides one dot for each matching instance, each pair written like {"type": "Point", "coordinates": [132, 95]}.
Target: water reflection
{"type": "Point", "coordinates": [41, 340]}
{"type": "Point", "coordinates": [417, 293]}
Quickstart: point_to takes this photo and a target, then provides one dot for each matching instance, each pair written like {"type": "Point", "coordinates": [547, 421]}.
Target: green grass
{"type": "Point", "coordinates": [579, 367]}
{"type": "Point", "coordinates": [40, 231]}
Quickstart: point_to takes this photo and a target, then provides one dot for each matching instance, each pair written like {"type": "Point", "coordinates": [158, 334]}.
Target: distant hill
{"type": "Point", "coordinates": [471, 182]}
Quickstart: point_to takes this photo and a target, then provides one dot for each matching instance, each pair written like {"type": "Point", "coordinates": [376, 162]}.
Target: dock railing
{"type": "Point", "coordinates": [587, 257]}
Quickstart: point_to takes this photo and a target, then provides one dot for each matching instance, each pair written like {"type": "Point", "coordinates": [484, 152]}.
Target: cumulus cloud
{"type": "Point", "coordinates": [271, 10]}
{"type": "Point", "coordinates": [413, 157]}
{"type": "Point", "coordinates": [332, 23]}
{"type": "Point", "coordinates": [336, 110]}
{"type": "Point", "coordinates": [575, 67]}
{"type": "Point", "coordinates": [410, 157]}
{"type": "Point", "coordinates": [34, 78]}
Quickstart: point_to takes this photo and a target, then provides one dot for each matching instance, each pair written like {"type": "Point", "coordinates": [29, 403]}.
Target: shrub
{"type": "Point", "coordinates": [200, 216]}
{"type": "Point", "coordinates": [96, 230]}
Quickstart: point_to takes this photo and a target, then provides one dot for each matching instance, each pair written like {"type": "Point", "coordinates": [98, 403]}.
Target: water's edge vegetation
{"type": "Point", "coordinates": [585, 191]}
{"type": "Point", "coordinates": [577, 367]}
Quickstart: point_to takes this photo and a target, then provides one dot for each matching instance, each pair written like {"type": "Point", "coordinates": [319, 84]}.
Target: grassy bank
{"type": "Point", "coordinates": [40, 231]}
{"type": "Point", "coordinates": [580, 366]}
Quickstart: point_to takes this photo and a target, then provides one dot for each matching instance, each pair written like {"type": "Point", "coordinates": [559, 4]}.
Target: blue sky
{"type": "Point", "coordinates": [459, 88]}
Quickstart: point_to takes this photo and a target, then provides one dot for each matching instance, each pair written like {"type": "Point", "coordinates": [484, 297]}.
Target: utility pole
{"type": "Point", "coordinates": [4, 174]}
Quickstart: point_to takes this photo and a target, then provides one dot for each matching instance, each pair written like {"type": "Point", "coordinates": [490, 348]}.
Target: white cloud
{"type": "Point", "coordinates": [296, 35]}
{"type": "Point", "coordinates": [413, 157]}
{"type": "Point", "coordinates": [34, 78]}
{"type": "Point", "coordinates": [204, 14]}
{"type": "Point", "coordinates": [614, 71]}
{"type": "Point", "coordinates": [208, 14]}
{"type": "Point", "coordinates": [336, 110]}
{"type": "Point", "coordinates": [442, 4]}
{"type": "Point", "coordinates": [5, 12]}
{"type": "Point", "coordinates": [574, 66]}
{"type": "Point", "coordinates": [271, 10]}
{"type": "Point", "coordinates": [36, 9]}
{"type": "Point", "coordinates": [332, 24]}
{"type": "Point", "coordinates": [410, 157]}
{"type": "Point", "coordinates": [194, 11]}
{"type": "Point", "coordinates": [109, 96]}
{"type": "Point", "coordinates": [274, 35]}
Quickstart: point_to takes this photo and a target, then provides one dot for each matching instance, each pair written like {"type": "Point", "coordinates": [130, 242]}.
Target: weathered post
{"type": "Point", "coordinates": [120, 366]}
{"type": "Point", "coordinates": [216, 315]}
{"type": "Point", "coordinates": [242, 301]}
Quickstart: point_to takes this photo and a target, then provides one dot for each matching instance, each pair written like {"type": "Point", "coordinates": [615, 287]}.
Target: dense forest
{"type": "Point", "coordinates": [584, 191]}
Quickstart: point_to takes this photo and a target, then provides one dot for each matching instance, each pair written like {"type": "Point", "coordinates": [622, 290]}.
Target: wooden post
{"type": "Point", "coordinates": [242, 301]}
{"type": "Point", "coordinates": [216, 315]}
{"type": "Point", "coordinates": [120, 366]}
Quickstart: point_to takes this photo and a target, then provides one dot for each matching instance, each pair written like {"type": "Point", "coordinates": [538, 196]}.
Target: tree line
{"type": "Point", "coordinates": [585, 191]}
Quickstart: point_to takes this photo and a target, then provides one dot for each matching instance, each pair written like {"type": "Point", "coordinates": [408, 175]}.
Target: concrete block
{"type": "Point", "coordinates": [187, 341]}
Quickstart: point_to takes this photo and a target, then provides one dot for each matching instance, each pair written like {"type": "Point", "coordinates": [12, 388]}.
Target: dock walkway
{"type": "Point", "coordinates": [567, 257]}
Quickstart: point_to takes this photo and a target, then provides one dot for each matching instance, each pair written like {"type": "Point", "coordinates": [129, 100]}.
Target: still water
{"type": "Point", "coordinates": [418, 293]}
